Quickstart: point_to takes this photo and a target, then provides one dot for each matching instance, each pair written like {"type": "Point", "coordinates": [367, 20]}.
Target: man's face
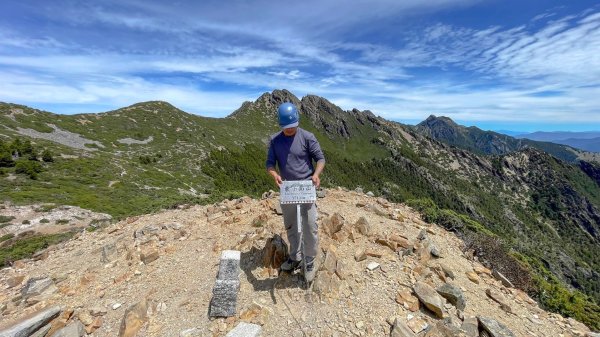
{"type": "Point", "coordinates": [289, 131]}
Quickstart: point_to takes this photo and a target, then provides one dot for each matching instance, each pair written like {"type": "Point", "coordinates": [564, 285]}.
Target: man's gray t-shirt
{"type": "Point", "coordinates": [294, 155]}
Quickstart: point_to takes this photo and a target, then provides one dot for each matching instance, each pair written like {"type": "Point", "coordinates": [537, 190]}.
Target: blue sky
{"type": "Point", "coordinates": [512, 65]}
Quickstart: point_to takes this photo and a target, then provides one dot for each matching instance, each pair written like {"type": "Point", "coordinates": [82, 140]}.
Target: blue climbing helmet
{"type": "Point", "coordinates": [288, 115]}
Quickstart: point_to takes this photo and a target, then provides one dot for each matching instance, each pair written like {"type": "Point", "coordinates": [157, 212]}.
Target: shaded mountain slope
{"type": "Point", "coordinates": [488, 142]}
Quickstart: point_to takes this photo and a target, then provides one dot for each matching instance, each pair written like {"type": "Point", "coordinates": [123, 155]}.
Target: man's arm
{"type": "Point", "coordinates": [315, 152]}
{"type": "Point", "coordinates": [271, 160]}
{"type": "Point", "coordinates": [315, 177]}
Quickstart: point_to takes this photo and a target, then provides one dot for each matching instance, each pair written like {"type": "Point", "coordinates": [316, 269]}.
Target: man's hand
{"type": "Point", "coordinates": [316, 180]}
{"type": "Point", "coordinates": [278, 180]}
{"type": "Point", "coordinates": [275, 176]}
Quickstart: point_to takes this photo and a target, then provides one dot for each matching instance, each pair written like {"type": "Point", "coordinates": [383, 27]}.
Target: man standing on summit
{"type": "Point", "coordinates": [292, 150]}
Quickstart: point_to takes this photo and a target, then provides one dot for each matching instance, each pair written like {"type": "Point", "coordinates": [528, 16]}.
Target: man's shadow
{"type": "Point", "coordinates": [255, 258]}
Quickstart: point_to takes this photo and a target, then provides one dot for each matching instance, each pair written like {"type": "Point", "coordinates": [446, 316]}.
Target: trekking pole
{"type": "Point", "coordinates": [301, 237]}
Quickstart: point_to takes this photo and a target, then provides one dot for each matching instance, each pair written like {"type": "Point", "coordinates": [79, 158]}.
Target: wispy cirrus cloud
{"type": "Point", "coordinates": [121, 52]}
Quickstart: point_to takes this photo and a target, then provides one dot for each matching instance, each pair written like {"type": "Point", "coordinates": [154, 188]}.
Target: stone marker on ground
{"type": "Point", "coordinates": [225, 291]}
{"type": "Point", "coordinates": [229, 267]}
{"type": "Point", "coordinates": [244, 329]}
{"type": "Point", "coordinates": [28, 326]}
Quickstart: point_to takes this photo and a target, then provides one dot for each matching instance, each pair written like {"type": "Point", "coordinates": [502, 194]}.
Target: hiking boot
{"type": "Point", "coordinates": [290, 265]}
{"type": "Point", "coordinates": [310, 269]}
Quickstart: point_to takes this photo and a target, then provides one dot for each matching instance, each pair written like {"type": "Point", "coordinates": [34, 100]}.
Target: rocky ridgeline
{"type": "Point", "coordinates": [382, 272]}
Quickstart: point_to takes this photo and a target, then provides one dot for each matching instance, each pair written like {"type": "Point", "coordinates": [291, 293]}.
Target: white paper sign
{"type": "Point", "coordinates": [298, 192]}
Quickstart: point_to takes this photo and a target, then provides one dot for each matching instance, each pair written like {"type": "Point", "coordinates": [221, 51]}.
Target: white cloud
{"type": "Point", "coordinates": [173, 52]}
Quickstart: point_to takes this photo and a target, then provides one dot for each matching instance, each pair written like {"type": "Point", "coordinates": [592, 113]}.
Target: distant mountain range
{"type": "Point", "coordinates": [587, 141]}
{"type": "Point", "coordinates": [489, 142]}
{"type": "Point", "coordinates": [541, 199]}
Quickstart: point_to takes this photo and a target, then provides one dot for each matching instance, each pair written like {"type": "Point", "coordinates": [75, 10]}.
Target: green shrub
{"type": "Point", "coordinates": [45, 208]}
{"type": "Point", "coordinates": [6, 237]}
{"type": "Point", "coordinates": [44, 220]}
{"type": "Point", "coordinates": [62, 221]}
{"type": "Point", "coordinates": [6, 159]}
{"type": "Point", "coordinates": [5, 218]}
{"type": "Point", "coordinates": [47, 156]}
{"type": "Point", "coordinates": [26, 222]}
{"type": "Point", "coordinates": [494, 253]}
{"type": "Point", "coordinates": [26, 247]}
{"type": "Point", "coordinates": [30, 168]}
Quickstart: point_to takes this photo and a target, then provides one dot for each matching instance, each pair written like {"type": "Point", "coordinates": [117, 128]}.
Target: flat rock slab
{"type": "Point", "coordinates": [430, 298]}
{"type": "Point", "coordinates": [30, 325]}
{"type": "Point", "coordinates": [494, 328]}
{"type": "Point", "coordinates": [38, 286]}
{"type": "Point", "coordinates": [244, 329]}
{"type": "Point", "coordinates": [400, 329]}
{"type": "Point", "coordinates": [75, 329]}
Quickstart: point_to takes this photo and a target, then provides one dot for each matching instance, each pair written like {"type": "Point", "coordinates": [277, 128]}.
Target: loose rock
{"type": "Point", "coordinates": [244, 329]}
{"type": "Point", "coordinates": [400, 329]}
{"type": "Point", "coordinates": [453, 294]}
{"type": "Point", "coordinates": [133, 319]}
{"type": "Point", "coordinates": [506, 282]}
{"type": "Point", "coordinates": [494, 328]}
{"type": "Point", "coordinates": [75, 329]}
{"type": "Point", "coordinates": [430, 298]}
{"type": "Point", "coordinates": [28, 326]}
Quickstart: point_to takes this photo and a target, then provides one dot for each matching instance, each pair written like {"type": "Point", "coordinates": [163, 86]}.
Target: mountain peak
{"type": "Point", "coordinates": [441, 119]}
{"type": "Point", "coordinates": [278, 96]}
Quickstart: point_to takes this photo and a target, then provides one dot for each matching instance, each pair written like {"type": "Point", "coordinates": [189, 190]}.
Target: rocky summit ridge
{"type": "Point", "coordinates": [383, 271]}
